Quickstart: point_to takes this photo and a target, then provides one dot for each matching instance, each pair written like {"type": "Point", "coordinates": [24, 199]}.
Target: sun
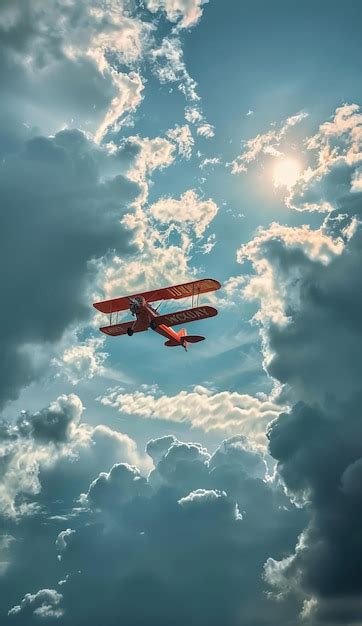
{"type": "Point", "coordinates": [286, 173]}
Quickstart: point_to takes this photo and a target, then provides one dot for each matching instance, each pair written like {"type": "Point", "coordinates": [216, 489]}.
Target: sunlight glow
{"type": "Point", "coordinates": [286, 173]}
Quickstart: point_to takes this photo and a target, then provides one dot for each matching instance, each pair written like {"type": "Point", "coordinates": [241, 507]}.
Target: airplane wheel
{"type": "Point", "coordinates": [130, 332]}
{"type": "Point", "coordinates": [153, 325]}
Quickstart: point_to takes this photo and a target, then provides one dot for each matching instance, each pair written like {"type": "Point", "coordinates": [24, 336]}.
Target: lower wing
{"type": "Point", "coordinates": [121, 329]}
{"type": "Point", "coordinates": [188, 315]}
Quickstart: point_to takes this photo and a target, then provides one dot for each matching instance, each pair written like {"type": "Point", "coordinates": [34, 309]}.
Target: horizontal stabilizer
{"type": "Point", "coordinates": [172, 343]}
{"type": "Point", "coordinates": [184, 340]}
{"type": "Point", "coordinates": [188, 315]}
{"type": "Point", "coordinates": [192, 339]}
{"type": "Point", "coordinates": [175, 292]}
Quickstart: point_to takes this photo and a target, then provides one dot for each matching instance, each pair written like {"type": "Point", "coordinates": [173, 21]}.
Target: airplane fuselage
{"type": "Point", "coordinates": [146, 314]}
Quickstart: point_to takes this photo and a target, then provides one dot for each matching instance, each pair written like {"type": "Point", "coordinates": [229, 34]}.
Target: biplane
{"type": "Point", "coordinates": [148, 317]}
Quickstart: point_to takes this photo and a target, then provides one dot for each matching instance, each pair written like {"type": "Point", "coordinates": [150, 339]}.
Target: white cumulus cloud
{"type": "Point", "coordinates": [186, 12]}
{"type": "Point", "coordinates": [189, 208]}
{"type": "Point", "coordinates": [228, 412]}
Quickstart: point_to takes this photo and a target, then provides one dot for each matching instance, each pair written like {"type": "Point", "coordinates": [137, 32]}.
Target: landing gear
{"type": "Point", "coordinates": [153, 325]}
{"type": "Point", "coordinates": [130, 332]}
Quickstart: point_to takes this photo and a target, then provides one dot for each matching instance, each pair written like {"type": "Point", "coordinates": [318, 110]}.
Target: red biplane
{"type": "Point", "coordinates": [148, 317]}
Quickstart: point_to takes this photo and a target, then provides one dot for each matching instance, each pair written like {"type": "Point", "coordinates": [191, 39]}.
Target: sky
{"type": "Point", "coordinates": [145, 143]}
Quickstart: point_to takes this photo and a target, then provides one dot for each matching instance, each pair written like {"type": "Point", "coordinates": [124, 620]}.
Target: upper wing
{"type": "Point", "coordinates": [174, 292]}
{"type": "Point", "coordinates": [188, 315]}
{"type": "Point", "coordinates": [121, 329]}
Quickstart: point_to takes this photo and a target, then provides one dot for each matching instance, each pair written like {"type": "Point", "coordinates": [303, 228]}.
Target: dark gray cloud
{"type": "Point", "coordinates": [56, 423]}
{"type": "Point", "coordinates": [123, 483]}
{"type": "Point", "coordinates": [59, 212]}
{"type": "Point", "coordinates": [50, 455]}
{"type": "Point", "coordinates": [143, 550]}
{"type": "Point", "coordinates": [316, 354]}
{"type": "Point", "coordinates": [318, 446]}
{"type": "Point", "coordinates": [183, 465]}
{"type": "Point", "coordinates": [54, 64]}
{"type": "Point", "coordinates": [156, 448]}
{"type": "Point", "coordinates": [42, 475]}
{"type": "Point", "coordinates": [189, 554]}
{"type": "Point", "coordinates": [61, 195]}
{"type": "Point", "coordinates": [309, 285]}
{"type": "Point", "coordinates": [319, 458]}
{"type": "Point", "coordinates": [332, 188]}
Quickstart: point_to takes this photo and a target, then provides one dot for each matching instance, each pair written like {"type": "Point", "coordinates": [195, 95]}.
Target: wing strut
{"type": "Point", "coordinates": [196, 287]}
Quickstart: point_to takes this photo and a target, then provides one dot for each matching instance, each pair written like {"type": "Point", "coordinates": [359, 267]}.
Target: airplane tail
{"type": "Point", "coordinates": [193, 339]}
{"type": "Point", "coordinates": [184, 339]}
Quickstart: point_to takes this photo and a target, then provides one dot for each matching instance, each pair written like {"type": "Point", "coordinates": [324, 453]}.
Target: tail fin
{"type": "Point", "coordinates": [182, 337]}
{"type": "Point", "coordinates": [173, 342]}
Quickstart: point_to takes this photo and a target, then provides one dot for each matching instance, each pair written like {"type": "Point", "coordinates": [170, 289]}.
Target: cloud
{"type": "Point", "coordinates": [183, 138]}
{"type": "Point", "coordinates": [129, 87]}
{"type": "Point", "coordinates": [346, 122]}
{"type": "Point", "coordinates": [58, 423]}
{"type": "Point", "coordinates": [279, 255]}
{"type": "Point", "coordinates": [123, 482]}
{"type": "Point", "coordinates": [82, 360]}
{"type": "Point", "coordinates": [43, 604]}
{"type": "Point", "coordinates": [324, 571]}
{"type": "Point", "coordinates": [51, 441]}
{"type": "Point", "coordinates": [194, 115]}
{"type": "Point", "coordinates": [265, 143]}
{"type": "Point", "coordinates": [210, 162]}
{"type": "Point", "coordinates": [157, 262]}
{"type": "Point", "coordinates": [68, 192]}
{"type": "Point", "coordinates": [188, 209]}
{"type": "Point", "coordinates": [356, 186]}
{"type": "Point", "coordinates": [42, 480]}
{"type": "Point", "coordinates": [150, 154]}
{"type": "Point", "coordinates": [217, 502]}
{"type": "Point", "coordinates": [192, 500]}
{"type": "Point", "coordinates": [206, 130]}
{"type": "Point", "coordinates": [308, 283]}
{"type": "Point", "coordinates": [228, 412]}
{"type": "Point", "coordinates": [182, 465]}
{"type": "Point", "coordinates": [328, 307]}
{"type": "Point", "coordinates": [57, 188]}
{"type": "Point", "coordinates": [61, 76]}
{"type": "Point", "coordinates": [36, 439]}
{"type": "Point", "coordinates": [336, 156]}
{"type": "Point", "coordinates": [186, 12]}
{"type": "Point", "coordinates": [169, 67]}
